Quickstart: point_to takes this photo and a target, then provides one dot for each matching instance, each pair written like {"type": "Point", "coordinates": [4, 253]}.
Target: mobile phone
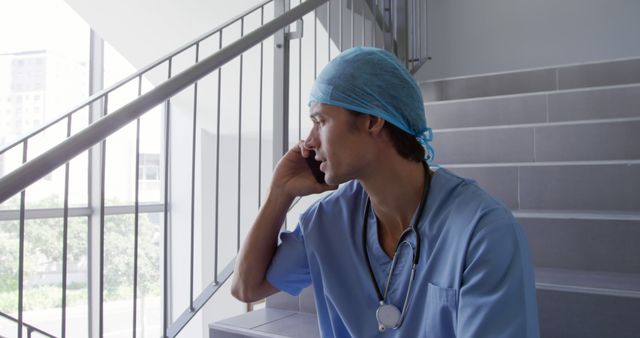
{"type": "Point", "coordinates": [315, 167]}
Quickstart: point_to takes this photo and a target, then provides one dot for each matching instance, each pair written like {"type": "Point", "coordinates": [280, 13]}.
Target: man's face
{"type": "Point", "coordinates": [340, 142]}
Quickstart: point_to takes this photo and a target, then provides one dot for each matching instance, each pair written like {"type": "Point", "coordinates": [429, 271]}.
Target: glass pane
{"type": "Point", "coordinates": [43, 275]}
{"type": "Point", "coordinates": [44, 70]}
{"type": "Point", "coordinates": [119, 274]}
{"type": "Point", "coordinates": [8, 276]}
{"type": "Point", "coordinates": [121, 146]}
{"type": "Point", "coordinates": [8, 328]}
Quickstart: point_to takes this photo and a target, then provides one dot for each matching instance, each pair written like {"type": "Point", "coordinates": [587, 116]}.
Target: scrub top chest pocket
{"type": "Point", "coordinates": [441, 311]}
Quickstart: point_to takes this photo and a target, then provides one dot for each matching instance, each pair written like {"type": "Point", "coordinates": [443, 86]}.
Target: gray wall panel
{"type": "Point", "coordinates": [592, 245]}
{"type": "Point", "coordinates": [585, 142]}
{"type": "Point", "coordinates": [307, 300]}
{"type": "Point", "coordinates": [283, 301]}
{"type": "Point", "coordinates": [480, 37]}
{"type": "Point", "coordinates": [487, 112]}
{"type": "Point", "coordinates": [595, 104]}
{"type": "Point", "coordinates": [501, 182]}
{"type": "Point", "coordinates": [580, 187]}
{"type": "Point", "coordinates": [484, 146]}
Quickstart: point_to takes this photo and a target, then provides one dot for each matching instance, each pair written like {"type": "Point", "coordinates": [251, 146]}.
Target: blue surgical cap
{"type": "Point", "coordinates": [372, 81]}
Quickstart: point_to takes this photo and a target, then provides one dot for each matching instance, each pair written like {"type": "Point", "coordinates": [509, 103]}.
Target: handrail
{"type": "Point", "coordinates": [29, 327]}
{"type": "Point", "coordinates": [93, 98]}
{"type": "Point", "coordinates": [185, 317]}
{"type": "Point", "coordinates": [30, 172]}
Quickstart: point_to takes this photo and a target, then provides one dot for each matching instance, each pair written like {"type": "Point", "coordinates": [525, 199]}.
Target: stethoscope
{"type": "Point", "coordinates": [387, 314]}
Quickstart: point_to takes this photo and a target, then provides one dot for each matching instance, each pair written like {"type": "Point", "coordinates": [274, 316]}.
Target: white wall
{"type": "Point", "coordinates": [468, 37]}
{"type": "Point", "coordinates": [145, 30]}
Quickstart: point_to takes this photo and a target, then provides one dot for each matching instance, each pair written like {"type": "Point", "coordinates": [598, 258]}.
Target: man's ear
{"type": "Point", "coordinates": [375, 125]}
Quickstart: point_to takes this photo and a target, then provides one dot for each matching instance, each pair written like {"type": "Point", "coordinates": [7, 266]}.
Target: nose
{"type": "Point", "coordinates": [311, 142]}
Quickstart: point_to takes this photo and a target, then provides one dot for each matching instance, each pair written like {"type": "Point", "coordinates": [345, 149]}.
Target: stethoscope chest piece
{"type": "Point", "coordinates": [389, 316]}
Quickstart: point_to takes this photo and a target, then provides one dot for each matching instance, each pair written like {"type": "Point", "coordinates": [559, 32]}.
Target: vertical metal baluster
{"type": "Point", "coordinates": [426, 31]}
{"type": "Point", "coordinates": [65, 236]}
{"type": "Point", "coordinates": [29, 331]}
{"type": "Point", "coordinates": [352, 23]}
{"type": "Point", "coordinates": [315, 43]}
{"type": "Point", "coordinates": [364, 41]}
{"type": "Point", "coordinates": [239, 140]}
{"type": "Point", "coordinates": [392, 24]}
{"type": "Point", "coordinates": [193, 182]}
{"type": "Point", "coordinates": [102, 202]}
{"type": "Point", "coordinates": [374, 23]}
{"type": "Point", "coordinates": [328, 31]}
{"type": "Point", "coordinates": [260, 116]}
{"type": "Point", "coordinates": [420, 31]}
{"type": "Point", "coordinates": [410, 26]}
{"type": "Point", "coordinates": [165, 291]}
{"type": "Point", "coordinates": [300, 84]}
{"type": "Point", "coordinates": [21, 249]}
{"type": "Point", "coordinates": [136, 223]}
{"type": "Point", "coordinates": [415, 32]}
{"type": "Point", "coordinates": [340, 27]}
{"type": "Point", "coordinates": [215, 258]}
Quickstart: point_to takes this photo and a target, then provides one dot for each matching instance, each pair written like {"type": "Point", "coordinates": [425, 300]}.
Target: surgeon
{"type": "Point", "coordinates": [398, 249]}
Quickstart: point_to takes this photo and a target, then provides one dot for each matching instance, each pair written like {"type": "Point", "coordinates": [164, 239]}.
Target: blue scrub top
{"type": "Point", "coordinates": [474, 277]}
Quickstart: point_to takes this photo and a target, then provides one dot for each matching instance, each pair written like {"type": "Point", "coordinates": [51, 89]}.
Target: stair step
{"type": "Point", "coordinates": [583, 315]}
{"type": "Point", "coordinates": [598, 103]}
{"type": "Point", "coordinates": [268, 322]}
{"type": "Point", "coordinates": [538, 80]}
{"type": "Point", "coordinates": [587, 244]}
{"type": "Point", "coordinates": [587, 286]}
{"type": "Point", "coordinates": [590, 215]}
{"type": "Point", "coordinates": [585, 188]}
{"type": "Point", "coordinates": [590, 282]}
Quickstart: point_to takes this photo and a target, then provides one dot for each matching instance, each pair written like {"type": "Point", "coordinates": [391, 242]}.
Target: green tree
{"type": "Point", "coordinates": [119, 253]}
{"type": "Point", "coordinates": [43, 248]}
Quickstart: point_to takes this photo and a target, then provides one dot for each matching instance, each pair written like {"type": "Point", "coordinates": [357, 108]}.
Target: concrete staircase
{"type": "Point", "coordinates": [559, 146]}
{"type": "Point", "coordinates": [283, 316]}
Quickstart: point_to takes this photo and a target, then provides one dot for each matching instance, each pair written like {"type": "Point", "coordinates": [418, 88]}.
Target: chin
{"type": "Point", "coordinates": [333, 179]}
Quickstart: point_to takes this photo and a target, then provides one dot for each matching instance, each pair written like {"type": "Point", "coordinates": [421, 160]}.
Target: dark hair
{"type": "Point", "coordinates": [405, 144]}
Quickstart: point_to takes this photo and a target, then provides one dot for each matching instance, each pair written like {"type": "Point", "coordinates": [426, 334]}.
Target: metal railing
{"type": "Point", "coordinates": [373, 17]}
{"type": "Point", "coordinates": [30, 328]}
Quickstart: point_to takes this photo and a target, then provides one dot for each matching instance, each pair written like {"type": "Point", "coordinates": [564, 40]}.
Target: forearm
{"type": "Point", "coordinates": [249, 282]}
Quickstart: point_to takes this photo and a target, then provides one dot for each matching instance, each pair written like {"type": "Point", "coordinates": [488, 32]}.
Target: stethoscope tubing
{"type": "Point", "coordinates": [382, 298]}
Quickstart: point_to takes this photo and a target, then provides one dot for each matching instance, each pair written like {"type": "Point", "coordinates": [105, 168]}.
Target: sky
{"type": "Point", "coordinates": [39, 24]}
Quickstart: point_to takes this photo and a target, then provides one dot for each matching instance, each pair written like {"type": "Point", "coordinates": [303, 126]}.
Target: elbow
{"type": "Point", "coordinates": [238, 292]}
{"type": "Point", "coordinates": [242, 292]}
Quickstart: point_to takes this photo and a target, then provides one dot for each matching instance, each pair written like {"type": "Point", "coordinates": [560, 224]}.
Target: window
{"type": "Point", "coordinates": [47, 91]}
{"type": "Point", "coordinates": [149, 167]}
{"type": "Point", "coordinates": [43, 32]}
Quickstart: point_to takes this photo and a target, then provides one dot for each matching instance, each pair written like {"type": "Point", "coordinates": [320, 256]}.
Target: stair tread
{"type": "Point", "coordinates": [577, 214]}
{"type": "Point", "coordinates": [275, 323]}
{"type": "Point", "coordinates": [547, 79]}
{"type": "Point", "coordinates": [270, 322]}
{"type": "Point", "coordinates": [597, 282]}
{"type": "Point", "coordinates": [531, 93]}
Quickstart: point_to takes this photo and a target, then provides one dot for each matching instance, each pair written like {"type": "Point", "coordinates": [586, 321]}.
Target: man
{"type": "Point", "coordinates": [398, 250]}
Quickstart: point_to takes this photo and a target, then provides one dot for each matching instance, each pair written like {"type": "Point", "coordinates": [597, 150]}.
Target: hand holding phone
{"type": "Point", "coordinates": [314, 166]}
